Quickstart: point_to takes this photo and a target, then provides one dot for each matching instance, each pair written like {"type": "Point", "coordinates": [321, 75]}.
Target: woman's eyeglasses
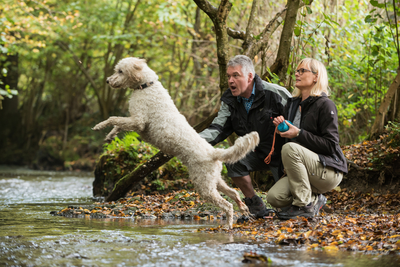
{"type": "Point", "coordinates": [302, 70]}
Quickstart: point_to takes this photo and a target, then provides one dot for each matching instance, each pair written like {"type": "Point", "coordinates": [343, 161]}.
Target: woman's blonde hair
{"type": "Point", "coordinates": [322, 78]}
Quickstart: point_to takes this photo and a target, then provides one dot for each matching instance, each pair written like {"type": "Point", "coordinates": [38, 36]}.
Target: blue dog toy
{"type": "Point", "coordinates": [283, 127]}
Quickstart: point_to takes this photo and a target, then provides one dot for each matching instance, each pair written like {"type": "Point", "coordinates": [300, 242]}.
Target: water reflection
{"type": "Point", "coordinates": [30, 236]}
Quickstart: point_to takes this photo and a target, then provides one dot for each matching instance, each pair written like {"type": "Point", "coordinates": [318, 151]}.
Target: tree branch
{"type": "Point", "coordinates": [282, 59]}
{"type": "Point", "coordinates": [65, 47]}
{"type": "Point", "coordinates": [236, 34]}
{"type": "Point", "coordinates": [207, 7]}
{"type": "Point", "coordinates": [218, 17]}
{"type": "Point", "coordinates": [252, 47]}
{"type": "Point", "coordinates": [250, 26]}
{"type": "Point", "coordinates": [223, 10]}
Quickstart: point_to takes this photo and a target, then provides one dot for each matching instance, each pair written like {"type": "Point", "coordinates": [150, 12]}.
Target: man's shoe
{"type": "Point", "coordinates": [243, 219]}
{"type": "Point", "coordinates": [295, 211]}
{"type": "Point", "coordinates": [255, 204]}
{"type": "Point", "coordinates": [321, 202]}
{"type": "Point", "coordinates": [266, 213]}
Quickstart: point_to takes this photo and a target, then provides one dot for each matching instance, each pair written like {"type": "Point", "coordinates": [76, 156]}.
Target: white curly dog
{"type": "Point", "coordinates": [157, 120]}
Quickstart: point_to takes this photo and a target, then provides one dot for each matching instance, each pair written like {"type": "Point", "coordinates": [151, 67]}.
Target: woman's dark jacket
{"type": "Point", "coordinates": [319, 129]}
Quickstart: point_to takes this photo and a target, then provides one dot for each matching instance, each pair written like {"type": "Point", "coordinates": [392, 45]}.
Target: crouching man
{"type": "Point", "coordinates": [249, 104]}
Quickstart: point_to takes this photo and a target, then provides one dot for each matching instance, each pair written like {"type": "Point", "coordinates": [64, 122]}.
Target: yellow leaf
{"type": "Point", "coordinates": [336, 232]}
{"type": "Point", "coordinates": [281, 237]}
{"type": "Point", "coordinates": [352, 220]}
{"type": "Point", "coordinates": [331, 248]}
{"type": "Point", "coordinates": [313, 245]}
{"type": "Point", "coordinates": [338, 189]}
{"type": "Point", "coordinates": [167, 199]}
{"type": "Point", "coordinates": [307, 234]}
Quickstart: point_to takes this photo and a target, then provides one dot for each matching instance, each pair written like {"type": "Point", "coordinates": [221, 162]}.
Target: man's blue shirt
{"type": "Point", "coordinates": [247, 102]}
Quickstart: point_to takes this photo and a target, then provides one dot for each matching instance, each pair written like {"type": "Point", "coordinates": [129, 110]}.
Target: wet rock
{"type": "Point", "coordinates": [98, 199]}
{"type": "Point", "coordinates": [149, 216]}
{"type": "Point", "coordinates": [187, 216]}
{"type": "Point", "coordinates": [204, 214]}
{"type": "Point", "coordinates": [98, 215]}
{"type": "Point", "coordinates": [167, 215]}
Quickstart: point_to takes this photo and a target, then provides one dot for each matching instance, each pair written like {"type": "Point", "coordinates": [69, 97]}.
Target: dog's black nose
{"type": "Point", "coordinates": [108, 81]}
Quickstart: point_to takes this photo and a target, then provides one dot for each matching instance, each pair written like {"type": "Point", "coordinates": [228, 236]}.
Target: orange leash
{"type": "Point", "coordinates": [267, 160]}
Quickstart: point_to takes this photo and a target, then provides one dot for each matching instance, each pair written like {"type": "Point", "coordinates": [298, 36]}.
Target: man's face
{"type": "Point", "coordinates": [238, 83]}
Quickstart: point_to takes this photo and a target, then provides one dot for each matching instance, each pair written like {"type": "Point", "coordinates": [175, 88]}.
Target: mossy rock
{"type": "Point", "coordinates": [109, 170]}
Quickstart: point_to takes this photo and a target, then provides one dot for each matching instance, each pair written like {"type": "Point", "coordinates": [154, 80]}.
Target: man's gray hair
{"type": "Point", "coordinates": [245, 62]}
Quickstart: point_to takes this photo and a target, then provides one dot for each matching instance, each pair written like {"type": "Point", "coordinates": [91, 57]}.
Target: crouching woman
{"type": "Point", "coordinates": [312, 158]}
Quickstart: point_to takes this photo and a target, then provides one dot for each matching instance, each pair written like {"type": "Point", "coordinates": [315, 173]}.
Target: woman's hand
{"type": "Point", "coordinates": [291, 133]}
{"type": "Point", "coordinates": [278, 120]}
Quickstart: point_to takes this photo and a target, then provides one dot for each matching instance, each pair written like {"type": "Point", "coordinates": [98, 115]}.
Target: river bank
{"type": "Point", "coordinates": [350, 221]}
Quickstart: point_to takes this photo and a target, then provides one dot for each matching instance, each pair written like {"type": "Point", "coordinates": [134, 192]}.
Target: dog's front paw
{"type": "Point", "coordinates": [96, 128]}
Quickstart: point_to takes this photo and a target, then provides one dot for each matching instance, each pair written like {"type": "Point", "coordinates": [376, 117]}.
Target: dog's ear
{"type": "Point", "coordinates": [139, 63]}
{"type": "Point", "coordinates": [134, 69]}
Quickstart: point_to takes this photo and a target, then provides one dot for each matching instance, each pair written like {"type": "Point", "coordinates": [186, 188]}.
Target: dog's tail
{"type": "Point", "coordinates": [239, 150]}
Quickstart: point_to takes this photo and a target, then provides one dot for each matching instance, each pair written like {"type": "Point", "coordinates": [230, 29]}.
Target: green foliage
{"type": "Point", "coordinates": [127, 153]}
{"type": "Point", "coordinates": [159, 184]}
{"type": "Point", "coordinates": [393, 130]}
{"type": "Point", "coordinates": [5, 90]}
{"type": "Point", "coordinates": [356, 46]}
{"type": "Point", "coordinates": [384, 152]}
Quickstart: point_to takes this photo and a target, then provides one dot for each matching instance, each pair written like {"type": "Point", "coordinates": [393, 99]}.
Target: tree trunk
{"type": "Point", "coordinates": [130, 180]}
{"type": "Point", "coordinates": [379, 123]}
{"type": "Point", "coordinates": [218, 16]}
{"type": "Point", "coordinates": [394, 110]}
{"type": "Point", "coordinates": [281, 63]}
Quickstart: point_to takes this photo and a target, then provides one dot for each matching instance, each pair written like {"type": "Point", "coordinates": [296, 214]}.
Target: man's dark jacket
{"type": "Point", "coordinates": [319, 129]}
{"type": "Point", "coordinates": [268, 104]}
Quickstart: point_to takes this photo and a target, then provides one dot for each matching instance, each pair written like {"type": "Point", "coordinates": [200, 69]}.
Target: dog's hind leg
{"type": "Point", "coordinates": [224, 188]}
{"type": "Point", "coordinates": [213, 196]}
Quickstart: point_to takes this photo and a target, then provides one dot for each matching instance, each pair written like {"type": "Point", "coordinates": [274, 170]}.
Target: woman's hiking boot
{"type": "Point", "coordinates": [295, 211]}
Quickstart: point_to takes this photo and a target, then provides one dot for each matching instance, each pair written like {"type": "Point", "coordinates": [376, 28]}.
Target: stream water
{"type": "Point", "coordinates": [30, 236]}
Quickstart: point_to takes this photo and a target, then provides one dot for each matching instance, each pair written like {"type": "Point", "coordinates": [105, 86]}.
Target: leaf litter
{"type": "Point", "coordinates": [351, 220]}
